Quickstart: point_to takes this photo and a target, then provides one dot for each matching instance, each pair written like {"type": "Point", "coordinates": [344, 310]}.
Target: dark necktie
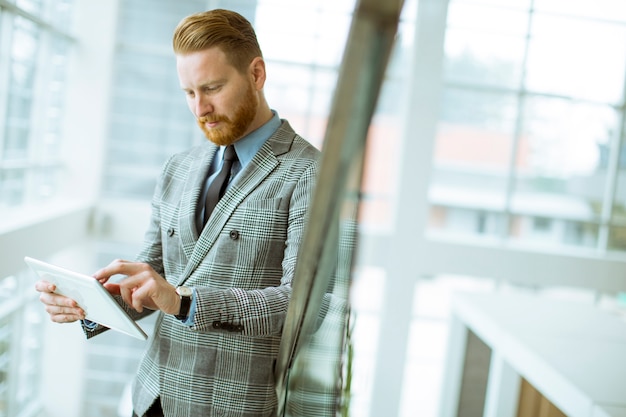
{"type": "Point", "coordinates": [217, 187]}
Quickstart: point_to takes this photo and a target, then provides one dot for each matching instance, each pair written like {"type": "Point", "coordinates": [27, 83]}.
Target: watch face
{"type": "Point", "coordinates": [184, 291]}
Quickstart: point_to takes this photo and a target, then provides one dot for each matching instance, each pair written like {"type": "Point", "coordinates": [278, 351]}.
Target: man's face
{"type": "Point", "coordinates": [224, 101]}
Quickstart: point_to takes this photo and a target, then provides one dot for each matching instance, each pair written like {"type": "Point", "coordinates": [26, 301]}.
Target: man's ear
{"type": "Point", "coordinates": [257, 72]}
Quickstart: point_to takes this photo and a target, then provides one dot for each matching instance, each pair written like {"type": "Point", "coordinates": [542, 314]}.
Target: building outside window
{"type": "Point", "coordinates": [526, 134]}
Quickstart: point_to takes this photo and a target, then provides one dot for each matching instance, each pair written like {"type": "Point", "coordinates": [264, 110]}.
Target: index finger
{"type": "Point", "coordinates": [118, 266]}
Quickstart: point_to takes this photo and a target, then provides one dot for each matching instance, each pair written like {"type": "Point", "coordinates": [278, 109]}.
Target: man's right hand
{"type": "Point", "coordinates": [60, 308]}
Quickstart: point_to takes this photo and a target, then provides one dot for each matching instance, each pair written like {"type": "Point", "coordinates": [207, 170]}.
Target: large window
{"type": "Point", "coordinates": [34, 51]}
{"type": "Point", "coordinates": [528, 143]}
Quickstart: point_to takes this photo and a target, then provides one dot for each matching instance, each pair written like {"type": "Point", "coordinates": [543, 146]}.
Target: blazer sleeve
{"type": "Point", "coordinates": [152, 250]}
{"type": "Point", "coordinates": [150, 253]}
{"type": "Point", "coordinates": [261, 312]}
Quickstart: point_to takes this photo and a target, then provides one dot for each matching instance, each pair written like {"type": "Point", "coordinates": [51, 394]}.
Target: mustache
{"type": "Point", "coordinates": [212, 119]}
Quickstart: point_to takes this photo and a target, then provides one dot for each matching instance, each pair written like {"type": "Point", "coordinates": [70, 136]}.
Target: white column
{"type": "Point", "coordinates": [402, 264]}
{"type": "Point", "coordinates": [503, 388]}
{"type": "Point", "coordinates": [453, 373]}
{"type": "Point", "coordinates": [88, 97]}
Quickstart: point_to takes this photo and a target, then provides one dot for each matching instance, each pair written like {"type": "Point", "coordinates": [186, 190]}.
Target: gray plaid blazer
{"type": "Point", "coordinates": [242, 265]}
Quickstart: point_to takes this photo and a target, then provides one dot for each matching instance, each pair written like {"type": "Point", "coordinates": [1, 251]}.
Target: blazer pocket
{"type": "Point", "coordinates": [262, 216]}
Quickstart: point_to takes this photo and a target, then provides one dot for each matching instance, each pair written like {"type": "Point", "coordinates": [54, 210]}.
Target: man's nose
{"type": "Point", "coordinates": [202, 106]}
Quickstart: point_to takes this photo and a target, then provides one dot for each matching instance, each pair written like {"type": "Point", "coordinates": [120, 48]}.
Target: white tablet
{"type": "Point", "coordinates": [99, 305]}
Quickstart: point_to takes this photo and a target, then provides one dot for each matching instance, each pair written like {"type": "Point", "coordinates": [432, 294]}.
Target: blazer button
{"type": "Point", "coordinates": [234, 235]}
{"type": "Point", "coordinates": [170, 232]}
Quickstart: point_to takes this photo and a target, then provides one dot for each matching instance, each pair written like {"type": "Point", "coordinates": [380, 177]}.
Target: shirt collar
{"type": "Point", "coordinates": [250, 144]}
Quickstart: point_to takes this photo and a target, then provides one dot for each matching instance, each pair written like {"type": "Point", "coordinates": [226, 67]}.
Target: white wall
{"type": "Point", "coordinates": [88, 96]}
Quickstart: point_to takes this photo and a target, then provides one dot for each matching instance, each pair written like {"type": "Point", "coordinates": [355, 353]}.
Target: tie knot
{"type": "Point", "coordinates": [230, 154]}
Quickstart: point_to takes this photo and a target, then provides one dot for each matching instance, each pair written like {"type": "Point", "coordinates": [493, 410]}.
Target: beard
{"type": "Point", "coordinates": [231, 130]}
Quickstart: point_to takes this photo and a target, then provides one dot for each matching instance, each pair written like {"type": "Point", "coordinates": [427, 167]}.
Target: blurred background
{"type": "Point", "coordinates": [494, 164]}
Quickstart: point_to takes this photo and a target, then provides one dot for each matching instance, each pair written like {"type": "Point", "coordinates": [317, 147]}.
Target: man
{"type": "Point", "coordinates": [221, 288]}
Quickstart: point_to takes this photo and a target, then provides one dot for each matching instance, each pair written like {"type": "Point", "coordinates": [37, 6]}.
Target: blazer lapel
{"type": "Point", "coordinates": [197, 173]}
{"type": "Point", "coordinates": [263, 163]}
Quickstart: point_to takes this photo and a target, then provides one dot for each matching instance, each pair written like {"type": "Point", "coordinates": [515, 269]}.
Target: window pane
{"type": "Point", "coordinates": [60, 12]}
{"type": "Point", "coordinates": [488, 18]}
{"type": "Point", "coordinates": [16, 139]}
{"type": "Point", "coordinates": [152, 22]}
{"type": "Point", "coordinates": [619, 203]}
{"type": "Point", "coordinates": [45, 181]}
{"type": "Point", "coordinates": [30, 342]}
{"type": "Point", "coordinates": [6, 334]}
{"type": "Point", "coordinates": [482, 58]}
{"type": "Point", "coordinates": [581, 68]}
{"type": "Point", "coordinates": [547, 231]}
{"type": "Point", "coordinates": [485, 45]}
{"type": "Point", "coordinates": [302, 95]}
{"type": "Point", "coordinates": [559, 170]}
{"type": "Point", "coordinates": [473, 149]}
{"type": "Point", "coordinates": [20, 94]}
{"type": "Point", "coordinates": [346, 6]}
{"type": "Point", "coordinates": [53, 100]}
{"type": "Point", "coordinates": [463, 220]}
{"type": "Point", "coordinates": [310, 35]}
{"type": "Point", "coordinates": [486, 113]}
{"type": "Point", "coordinates": [599, 9]}
{"type": "Point", "coordinates": [12, 186]}
{"type": "Point", "coordinates": [512, 4]}
{"type": "Point", "coordinates": [24, 50]}
{"type": "Point", "coordinates": [617, 238]}
{"type": "Point", "coordinates": [30, 6]}
{"type": "Point", "coordinates": [8, 288]}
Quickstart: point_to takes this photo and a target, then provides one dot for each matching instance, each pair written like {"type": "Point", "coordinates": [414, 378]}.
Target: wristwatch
{"type": "Point", "coordinates": [185, 294]}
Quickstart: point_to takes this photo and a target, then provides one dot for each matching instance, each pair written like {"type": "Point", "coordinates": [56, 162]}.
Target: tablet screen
{"type": "Point", "coordinates": [98, 304]}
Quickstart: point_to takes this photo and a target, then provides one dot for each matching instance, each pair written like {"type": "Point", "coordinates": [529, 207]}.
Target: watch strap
{"type": "Point", "coordinates": [185, 304]}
